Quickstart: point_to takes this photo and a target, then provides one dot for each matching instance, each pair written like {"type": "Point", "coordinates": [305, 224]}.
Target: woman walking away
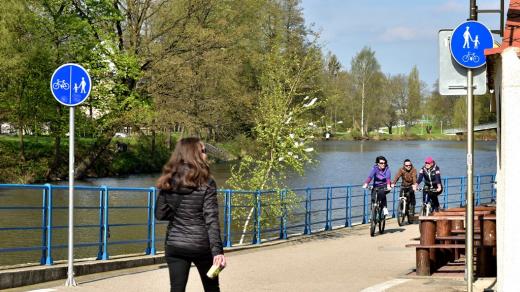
{"type": "Point", "coordinates": [188, 200]}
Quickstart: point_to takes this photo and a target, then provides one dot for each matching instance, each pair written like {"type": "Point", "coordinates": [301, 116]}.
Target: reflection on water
{"type": "Point", "coordinates": [340, 163]}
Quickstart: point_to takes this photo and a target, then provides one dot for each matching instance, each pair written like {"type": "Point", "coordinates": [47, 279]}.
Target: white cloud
{"type": "Point", "coordinates": [463, 6]}
{"type": "Point", "coordinates": [452, 6]}
{"type": "Point", "coordinates": [404, 33]}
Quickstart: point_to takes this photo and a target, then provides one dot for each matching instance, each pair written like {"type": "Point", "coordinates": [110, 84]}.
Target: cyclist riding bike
{"type": "Point", "coordinates": [431, 174]}
{"type": "Point", "coordinates": [380, 173]}
{"type": "Point", "coordinates": [408, 175]}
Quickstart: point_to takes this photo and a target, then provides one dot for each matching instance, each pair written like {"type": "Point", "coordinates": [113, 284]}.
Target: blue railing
{"type": "Point", "coordinates": [109, 219]}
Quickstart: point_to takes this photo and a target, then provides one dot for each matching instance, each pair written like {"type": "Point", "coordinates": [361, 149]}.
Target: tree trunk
{"type": "Point", "coordinates": [390, 129]}
{"type": "Point", "coordinates": [21, 143]}
{"type": "Point", "coordinates": [100, 146]}
{"type": "Point", "coordinates": [153, 142]}
{"type": "Point", "coordinates": [363, 110]}
{"type": "Point", "coordinates": [170, 142]}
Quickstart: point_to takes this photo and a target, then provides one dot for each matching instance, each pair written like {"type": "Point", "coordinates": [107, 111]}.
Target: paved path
{"type": "Point", "coordinates": [342, 260]}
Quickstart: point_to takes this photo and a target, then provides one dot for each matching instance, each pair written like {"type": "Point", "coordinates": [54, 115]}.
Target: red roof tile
{"type": "Point", "coordinates": [511, 31]}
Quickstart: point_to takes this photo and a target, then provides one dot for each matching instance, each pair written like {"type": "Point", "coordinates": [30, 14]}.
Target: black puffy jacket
{"type": "Point", "coordinates": [193, 228]}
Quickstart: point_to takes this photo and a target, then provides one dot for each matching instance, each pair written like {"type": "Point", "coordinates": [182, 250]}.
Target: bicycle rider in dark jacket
{"type": "Point", "coordinates": [408, 173]}
{"type": "Point", "coordinates": [381, 174]}
{"type": "Point", "coordinates": [432, 179]}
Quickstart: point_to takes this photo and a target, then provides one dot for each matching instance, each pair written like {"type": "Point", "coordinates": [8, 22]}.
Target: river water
{"type": "Point", "coordinates": [338, 163]}
{"type": "Point", "coordinates": [349, 162]}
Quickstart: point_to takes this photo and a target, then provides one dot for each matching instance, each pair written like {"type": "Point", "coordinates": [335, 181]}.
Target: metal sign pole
{"type": "Point", "coordinates": [469, 161]}
{"type": "Point", "coordinates": [70, 273]}
{"type": "Point", "coordinates": [469, 196]}
{"type": "Point", "coordinates": [70, 85]}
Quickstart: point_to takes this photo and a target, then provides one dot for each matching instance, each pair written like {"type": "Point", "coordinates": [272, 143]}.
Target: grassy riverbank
{"type": "Point", "coordinates": [416, 132]}
{"type": "Point", "coordinates": [480, 136]}
{"type": "Point", "coordinates": [133, 155]}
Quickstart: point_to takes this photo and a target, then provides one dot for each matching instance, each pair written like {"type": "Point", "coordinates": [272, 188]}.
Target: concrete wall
{"type": "Point", "coordinates": [508, 197]}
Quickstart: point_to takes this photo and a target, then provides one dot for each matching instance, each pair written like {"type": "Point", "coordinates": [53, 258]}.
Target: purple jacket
{"type": "Point", "coordinates": [381, 177]}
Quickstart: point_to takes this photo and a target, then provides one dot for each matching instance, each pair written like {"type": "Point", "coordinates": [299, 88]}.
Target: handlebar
{"type": "Point", "coordinates": [372, 187]}
{"type": "Point", "coordinates": [427, 189]}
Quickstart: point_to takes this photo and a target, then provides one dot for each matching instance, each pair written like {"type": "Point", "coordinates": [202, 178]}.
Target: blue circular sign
{"type": "Point", "coordinates": [468, 42]}
{"type": "Point", "coordinates": [70, 84]}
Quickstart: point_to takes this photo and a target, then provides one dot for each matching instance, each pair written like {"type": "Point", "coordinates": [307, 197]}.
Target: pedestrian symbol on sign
{"type": "Point", "coordinates": [70, 84]}
{"type": "Point", "coordinates": [468, 42]}
{"type": "Point", "coordinates": [467, 37]}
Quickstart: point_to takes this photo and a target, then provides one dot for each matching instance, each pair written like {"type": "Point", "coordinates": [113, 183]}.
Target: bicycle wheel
{"type": "Point", "coordinates": [382, 222]}
{"type": "Point", "coordinates": [400, 212]}
{"type": "Point", "coordinates": [373, 219]}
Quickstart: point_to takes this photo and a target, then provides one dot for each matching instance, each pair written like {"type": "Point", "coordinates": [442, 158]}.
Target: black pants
{"type": "Point", "coordinates": [179, 268]}
{"type": "Point", "coordinates": [434, 197]}
{"type": "Point", "coordinates": [381, 195]}
{"type": "Point", "coordinates": [410, 194]}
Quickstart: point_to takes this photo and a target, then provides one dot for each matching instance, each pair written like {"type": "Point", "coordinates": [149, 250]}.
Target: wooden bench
{"type": "Point", "coordinates": [460, 237]}
{"type": "Point", "coordinates": [442, 233]}
{"type": "Point", "coordinates": [476, 208]}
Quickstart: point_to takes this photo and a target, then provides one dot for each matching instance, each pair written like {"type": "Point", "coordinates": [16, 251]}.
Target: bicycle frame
{"type": "Point", "coordinates": [427, 205]}
{"type": "Point", "coordinates": [403, 196]}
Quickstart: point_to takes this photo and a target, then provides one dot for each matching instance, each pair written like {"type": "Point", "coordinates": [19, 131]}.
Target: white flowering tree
{"type": "Point", "coordinates": [283, 135]}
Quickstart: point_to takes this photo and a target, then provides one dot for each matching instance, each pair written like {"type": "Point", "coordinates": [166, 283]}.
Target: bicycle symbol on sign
{"type": "Point", "coordinates": [470, 57]}
{"type": "Point", "coordinates": [60, 84]}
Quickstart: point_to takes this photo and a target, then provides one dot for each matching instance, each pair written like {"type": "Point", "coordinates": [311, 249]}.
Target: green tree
{"type": "Point", "coordinates": [438, 107]}
{"type": "Point", "coordinates": [364, 71]}
{"type": "Point", "coordinates": [413, 109]}
{"type": "Point", "coordinates": [460, 112]}
{"type": "Point", "coordinates": [392, 101]}
{"type": "Point", "coordinates": [282, 132]}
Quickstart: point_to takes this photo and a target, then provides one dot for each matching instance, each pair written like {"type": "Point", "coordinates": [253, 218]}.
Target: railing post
{"type": "Point", "coordinates": [348, 207]}
{"type": "Point", "coordinates": [47, 255]}
{"type": "Point", "coordinates": [328, 209]}
{"type": "Point", "coordinates": [148, 223]}
{"type": "Point", "coordinates": [365, 214]}
{"type": "Point", "coordinates": [150, 249]}
{"type": "Point", "coordinates": [101, 217]}
{"type": "Point", "coordinates": [104, 256]}
{"type": "Point", "coordinates": [258, 234]}
{"type": "Point", "coordinates": [307, 229]}
{"type": "Point", "coordinates": [283, 218]}
{"type": "Point", "coordinates": [331, 202]}
{"type": "Point", "coordinates": [477, 190]}
{"type": "Point", "coordinates": [446, 193]}
{"type": "Point", "coordinates": [393, 202]}
{"type": "Point", "coordinates": [461, 191]}
{"type": "Point", "coordinates": [227, 218]}
{"type": "Point", "coordinates": [44, 226]}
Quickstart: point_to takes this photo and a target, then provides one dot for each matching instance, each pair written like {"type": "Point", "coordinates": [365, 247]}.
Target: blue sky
{"type": "Point", "coordinates": [403, 33]}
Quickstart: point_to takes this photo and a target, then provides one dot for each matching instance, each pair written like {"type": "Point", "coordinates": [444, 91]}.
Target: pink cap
{"type": "Point", "coordinates": [428, 159]}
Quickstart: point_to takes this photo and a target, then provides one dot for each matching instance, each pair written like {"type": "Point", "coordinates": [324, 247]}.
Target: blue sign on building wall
{"type": "Point", "coordinates": [468, 42]}
{"type": "Point", "coordinates": [70, 84]}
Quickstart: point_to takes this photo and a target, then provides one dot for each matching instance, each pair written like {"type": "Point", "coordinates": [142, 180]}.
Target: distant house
{"type": "Point", "coordinates": [7, 129]}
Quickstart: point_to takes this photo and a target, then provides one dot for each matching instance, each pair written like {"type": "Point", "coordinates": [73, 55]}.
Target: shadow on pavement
{"type": "Point", "coordinates": [394, 230]}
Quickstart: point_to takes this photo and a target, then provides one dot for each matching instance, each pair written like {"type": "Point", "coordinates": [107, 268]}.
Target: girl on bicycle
{"type": "Point", "coordinates": [432, 181]}
{"type": "Point", "coordinates": [408, 173]}
{"type": "Point", "coordinates": [380, 173]}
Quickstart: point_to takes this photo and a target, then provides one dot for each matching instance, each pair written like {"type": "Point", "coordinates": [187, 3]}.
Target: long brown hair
{"type": "Point", "coordinates": [186, 167]}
